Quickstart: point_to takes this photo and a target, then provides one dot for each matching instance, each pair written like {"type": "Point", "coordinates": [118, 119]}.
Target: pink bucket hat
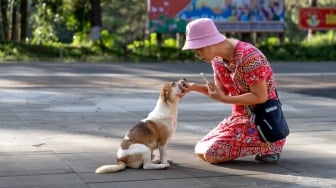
{"type": "Point", "coordinates": [201, 33]}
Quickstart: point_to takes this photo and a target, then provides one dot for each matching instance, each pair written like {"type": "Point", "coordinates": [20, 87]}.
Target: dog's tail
{"type": "Point", "coordinates": [111, 168]}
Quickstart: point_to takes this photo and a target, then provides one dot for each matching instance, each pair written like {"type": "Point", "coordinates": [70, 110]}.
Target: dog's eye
{"type": "Point", "coordinates": [173, 84]}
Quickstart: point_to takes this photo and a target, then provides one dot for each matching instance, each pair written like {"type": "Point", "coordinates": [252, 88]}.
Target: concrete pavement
{"type": "Point", "coordinates": [60, 122]}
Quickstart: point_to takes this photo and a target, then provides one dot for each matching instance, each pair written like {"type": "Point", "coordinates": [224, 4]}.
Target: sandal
{"type": "Point", "coordinates": [270, 158]}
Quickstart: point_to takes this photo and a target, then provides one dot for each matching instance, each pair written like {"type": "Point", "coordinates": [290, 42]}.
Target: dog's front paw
{"type": "Point", "coordinates": [168, 161]}
{"type": "Point", "coordinates": [166, 166]}
{"type": "Point", "coordinates": [157, 161]}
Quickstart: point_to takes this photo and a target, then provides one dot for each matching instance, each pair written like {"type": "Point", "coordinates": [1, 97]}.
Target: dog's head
{"type": "Point", "coordinates": [169, 93]}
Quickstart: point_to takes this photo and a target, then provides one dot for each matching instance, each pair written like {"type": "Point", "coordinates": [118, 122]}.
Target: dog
{"type": "Point", "coordinates": [151, 133]}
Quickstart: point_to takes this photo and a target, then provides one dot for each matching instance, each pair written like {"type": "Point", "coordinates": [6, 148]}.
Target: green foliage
{"type": "Point", "coordinates": [299, 52]}
{"type": "Point", "coordinates": [108, 39]}
{"type": "Point", "coordinates": [149, 50]}
{"type": "Point", "coordinates": [76, 15]}
{"type": "Point", "coordinates": [44, 21]}
{"type": "Point", "coordinates": [126, 20]}
{"type": "Point", "coordinates": [60, 33]}
{"type": "Point", "coordinates": [319, 47]}
{"type": "Point", "coordinates": [320, 38]}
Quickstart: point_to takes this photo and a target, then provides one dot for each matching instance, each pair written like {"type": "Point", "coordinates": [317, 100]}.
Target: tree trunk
{"type": "Point", "coordinates": [14, 26]}
{"type": "Point", "coordinates": [95, 20]}
{"type": "Point", "coordinates": [5, 24]}
{"type": "Point", "coordinates": [23, 20]}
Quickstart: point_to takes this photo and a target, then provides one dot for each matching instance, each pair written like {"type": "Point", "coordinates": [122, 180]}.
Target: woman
{"type": "Point", "coordinates": [243, 78]}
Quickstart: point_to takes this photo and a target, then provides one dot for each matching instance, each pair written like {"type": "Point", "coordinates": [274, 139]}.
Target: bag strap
{"type": "Point", "coordinates": [276, 92]}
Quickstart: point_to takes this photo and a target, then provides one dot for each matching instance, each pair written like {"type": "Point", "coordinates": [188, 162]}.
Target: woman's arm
{"type": "Point", "coordinates": [187, 87]}
{"type": "Point", "coordinates": [220, 86]}
{"type": "Point", "coordinates": [216, 91]}
{"type": "Point", "coordinates": [257, 95]}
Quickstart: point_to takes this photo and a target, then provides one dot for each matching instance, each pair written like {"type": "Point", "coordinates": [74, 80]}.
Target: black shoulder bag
{"type": "Point", "coordinates": [270, 121]}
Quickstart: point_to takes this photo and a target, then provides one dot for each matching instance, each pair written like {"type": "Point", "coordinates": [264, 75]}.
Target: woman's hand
{"type": "Point", "coordinates": [184, 87]}
{"type": "Point", "coordinates": [215, 92]}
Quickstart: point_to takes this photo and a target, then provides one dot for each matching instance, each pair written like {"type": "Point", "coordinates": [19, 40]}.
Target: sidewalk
{"type": "Point", "coordinates": [59, 123]}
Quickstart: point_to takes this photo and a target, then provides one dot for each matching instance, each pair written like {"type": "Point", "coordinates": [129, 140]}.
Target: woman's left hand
{"type": "Point", "coordinates": [215, 92]}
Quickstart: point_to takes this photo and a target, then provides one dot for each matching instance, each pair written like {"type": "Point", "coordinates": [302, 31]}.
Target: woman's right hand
{"type": "Point", "coordinates": [184, 87]}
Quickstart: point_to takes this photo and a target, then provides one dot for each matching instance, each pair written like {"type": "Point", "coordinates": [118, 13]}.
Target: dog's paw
{"type": "Point", "coordinates": [157, 161]}
{"type": "Point", "coordinates": [166, 166]}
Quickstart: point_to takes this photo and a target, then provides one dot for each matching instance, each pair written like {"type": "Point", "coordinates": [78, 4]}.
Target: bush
{"type": "Point", "coordinates": [320, 48]}
{"type": "Point", "coordinates": [299, 52]}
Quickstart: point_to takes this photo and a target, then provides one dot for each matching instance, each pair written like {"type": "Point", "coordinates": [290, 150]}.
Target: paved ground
{"type": "Point", "coordinates": [60, 122]}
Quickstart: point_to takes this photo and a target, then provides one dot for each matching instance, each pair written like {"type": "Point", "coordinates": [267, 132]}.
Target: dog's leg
{"type": "Point", "coordinates": [148, 164]}
{"type": "Point", "coordinates": [155, 159]}
{"type": "Point", "coordinates": [163, 155]}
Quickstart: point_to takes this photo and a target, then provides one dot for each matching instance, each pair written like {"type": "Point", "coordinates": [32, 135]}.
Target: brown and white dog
{"type": "Point", "coordinates": [153, 132]}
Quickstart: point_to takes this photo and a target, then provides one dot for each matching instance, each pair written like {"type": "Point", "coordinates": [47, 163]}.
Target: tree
{"type": "Point", "coordinates": [45, 19]}
{"type": "Point", "coordinates": [76, 18]}
{"type": "Point", "coordinates": [9, 12]}
{"type": "Point", "coordinates": [95, 20]}
{"type": "Point", "coordinates": [5, 22]}
{"type": "Point", "coordinates": [23, 20]}
{"type": "Point", "coordinates": [13, 25]}
{"type": "Point", "coordinates": [126, 19]}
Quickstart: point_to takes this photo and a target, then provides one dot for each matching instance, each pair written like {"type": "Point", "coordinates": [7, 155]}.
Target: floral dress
{"type": "Point", "coordinates": [236, 136]}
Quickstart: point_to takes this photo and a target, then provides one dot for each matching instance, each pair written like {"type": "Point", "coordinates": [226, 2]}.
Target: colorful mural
{"type": "Point", "coordinates": [173, 15]}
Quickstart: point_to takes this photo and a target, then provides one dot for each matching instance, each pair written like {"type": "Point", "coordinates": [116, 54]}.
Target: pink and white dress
{"type": "Point", "coordinates": [236, 136]}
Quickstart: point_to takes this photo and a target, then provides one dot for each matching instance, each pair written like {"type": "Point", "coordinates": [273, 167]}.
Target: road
{"type": "Point", "coordinates": [307, 78]}
{"type": "Point", "coordinates": [59, 122]}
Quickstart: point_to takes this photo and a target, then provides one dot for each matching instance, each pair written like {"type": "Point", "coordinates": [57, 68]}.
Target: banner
{"type": "Point", "coordinates": [169, 16]}
{"type": "Point", "coordinates": [317, 18]}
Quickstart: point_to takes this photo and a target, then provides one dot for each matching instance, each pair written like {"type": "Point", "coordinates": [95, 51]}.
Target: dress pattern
{"type": "Point", "coordinates": [236, 136]}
